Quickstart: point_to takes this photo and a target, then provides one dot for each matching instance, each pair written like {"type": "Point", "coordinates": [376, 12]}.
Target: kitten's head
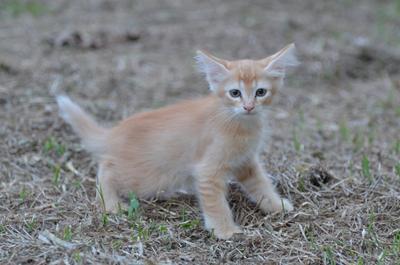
{"type": "Point", "coordinates": [246, 86]}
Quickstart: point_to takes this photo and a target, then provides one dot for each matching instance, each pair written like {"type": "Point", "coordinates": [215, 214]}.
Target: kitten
{"type": "Point", "coordinates": [196, 144]}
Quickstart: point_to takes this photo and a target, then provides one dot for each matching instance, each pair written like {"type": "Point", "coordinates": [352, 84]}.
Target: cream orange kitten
{"type": "Point", "coordinates": [198, 144]}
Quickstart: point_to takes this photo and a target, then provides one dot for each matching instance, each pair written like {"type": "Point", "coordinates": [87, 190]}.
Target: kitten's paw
{"type": "Point", "coordinates": [223, 228]}
{"type": "Point", "coordinates": [277, 206]}
{"type": "Point", "coordinates": [116, 208]}
{"type": "Point", "coordinates": [227, 232]}
{"type": "Point", "coordinates": [287, 205]}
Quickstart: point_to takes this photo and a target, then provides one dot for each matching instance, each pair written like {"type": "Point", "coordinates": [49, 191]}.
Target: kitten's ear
{"type": "Point", "coordinates": [276, 64]}
{"type": "Point", "coordinates": [214, 68]}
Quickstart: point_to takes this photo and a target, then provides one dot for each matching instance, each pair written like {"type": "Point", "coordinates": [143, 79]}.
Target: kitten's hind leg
{"type": "Point", "coordinates": [260, 188]}
{"type": "Point", "coordinates": [106, 193]}
{"type": "Point", "coordinates": [211, 187]}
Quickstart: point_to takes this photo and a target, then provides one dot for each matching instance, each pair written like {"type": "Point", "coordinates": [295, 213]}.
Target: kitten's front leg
{"type": "Point", "coordinates": [211, 188]}
{"type": "Point", "coordinates": [259, 186]}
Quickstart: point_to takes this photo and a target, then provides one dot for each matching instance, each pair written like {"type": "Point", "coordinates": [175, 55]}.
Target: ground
{"type": "Point", "coordinates": [333, 150]}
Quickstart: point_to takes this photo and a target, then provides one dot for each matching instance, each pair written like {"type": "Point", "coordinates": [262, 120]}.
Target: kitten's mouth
{"type": "Point", "coordinates": [252, 113]}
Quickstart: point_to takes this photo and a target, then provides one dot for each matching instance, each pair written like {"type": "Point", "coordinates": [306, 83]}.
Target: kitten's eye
{"type": "Point", "coordinates": [235, 93]}
{"type": "Point", "coordinates": [261, 92]}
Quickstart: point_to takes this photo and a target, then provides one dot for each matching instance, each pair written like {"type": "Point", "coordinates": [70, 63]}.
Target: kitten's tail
{"type": "Point", "coordinates": [93, 136]}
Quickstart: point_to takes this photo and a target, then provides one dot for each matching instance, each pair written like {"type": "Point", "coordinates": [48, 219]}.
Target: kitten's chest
{"type": "Point", "coordinates": [243, 146]}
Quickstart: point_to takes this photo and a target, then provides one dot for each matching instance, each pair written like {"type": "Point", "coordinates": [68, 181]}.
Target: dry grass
{"type": "Point", "coordinates": [334, 147]}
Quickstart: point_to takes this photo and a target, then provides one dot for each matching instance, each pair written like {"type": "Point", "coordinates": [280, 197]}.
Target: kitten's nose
{"type": "Point", "coordinates": [248, 108]}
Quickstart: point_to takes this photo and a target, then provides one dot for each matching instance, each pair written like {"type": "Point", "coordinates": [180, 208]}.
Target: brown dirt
{"type": "Point", "coordinates": [334, 129]}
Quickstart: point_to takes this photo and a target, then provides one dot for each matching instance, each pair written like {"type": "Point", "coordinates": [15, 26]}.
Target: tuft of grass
{"type": "Point", "coordinates": [190, 224]}
{"type": "Point", "coordinates": [351, 168]}
{"type": "Point", "coordinates": [397, 4]}
{"type": "Point", "coordinates": [385, 15]}
{"type": "Point", "coordinates": [56, 175]}
{"type": "Point", "coordinates": [23, 194]}
{"type": "Point", "coordinates": [133, 205]}
{"type": "Point", "coordinates": [76, 256]}
{"type": "Point", "coordinates": [311, 238]}
{"type": "Point", "coordinates": [2, 229]}
{"type": "Point", "coordinates": [31, 225]}
{"type": "Point", "coordinates": [19, 7]}
{"type": "Point", "coordinates": [320, 125]}
{"type": "Point", "coordinates": [183, 215]}
{"type": "Point", "coordinates": [328, 255]}
{"type": "Point", "coordinates": [371, 229]}
{"type": "Point", "coordinates": [116, 244]}
{"type": "Point", "coordinates": [388, 102]}
{"type": "Point", "coordinates": [77, 183]}
{"type": "Point", "coordinates": [100, 194]}
{"type": "Point", "coordinates": [142, 232]}
{"type": "Point", "coordinates": [397, 147]}
{"type": "Point", "coordinates": [396, 244]}
{"type": "Point", "coordinates": [162, 229]}
{"type": "Point", "coordinates": [365, 168]}
{"type": "Point", "coordinates": [358, 141]}
{"type": "Point", "coordinates": [371, 135]}
{"type": "Point", "coordinates": [397, 169]}
{"type": "Point", "coordinates": [51, 145]}
{"type": "Point", "coordinates": [296, 142]}
{"type": "Point", "coordinates": [301, 185]}
{"type": "Point", "coordinates": [67, 234]}
{"type": "Point", "coordinates": [381, 257]}
{"type": "Point", "coordinates": [397, 111]}
{"type": "Point", "coordinates": [344, 130]}
{"type": "Point", "coordinates": [302, 119]}
{"type": "Point", "coordinates": [104, 219]}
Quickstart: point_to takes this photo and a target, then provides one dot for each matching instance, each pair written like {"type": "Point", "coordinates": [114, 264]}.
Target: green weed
{"type": "Point", "coordinates": [76, 256]}
{"type": "Point", "coordinates": [396, 244]}
{"type": "Point", "coordinates": [100, 194]}
{"type": "Point", "coordinates": [365, 168]}
{"type": "Point", "coordinates": [31, 225]}
{"type": "Point", "coordinates": [309, 233]}
{"type": "Point", "coordinates": [133, 205]}
{"type": "Point", "coordinates": [163, 229]}
{"type": "Point", "coordinates": [344, 130]}
{"type": "Point", "coordinates": [386, 14]}
{"type": "Point", "coordinates": [51, 145]}
{"type": "Point", "coordinates": [77, 183]}
{"type": "Point", "coordinates": [56, 175]}
{"type": "Point", "coordinates": [116, 244]}
{"type": "Point", "coordinates": [397, 169]}
{"type": "Point", "coordinates": [371, 230]}
{"type": "Point", "coordinates": [328, 255]}
{"type": "Point", "coordinates": [320, 126]}
{"type": "Point", "coordinates": [296, 143]}
{"type": "Point", "coordinates": [371, 135]}
{"type": "Point", "coordinates": [397, 147]}
{"type": "Point", "coordinates": [381, 257]}
{"type": "Point", "coordinates": [23, 194]}
{"type": "Point", "coordinates": [67, 235]}
{"type": "Point", "coordinates": [142, 232]}
{"type": "Point", "coordinates": [19, 7]}
{"type": "Point", "coordinates": [190, 224]}
{"type": "Point", "coordinates": [301, 185]}
{"type": "Point", "coordinates": [302, 119]}
{"type": "Point", "coordinates": [397, 111]}
{"type": "Point", "coordinates": [104, 219]}
{"type": "Point", "coordinates": [358, 141]}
